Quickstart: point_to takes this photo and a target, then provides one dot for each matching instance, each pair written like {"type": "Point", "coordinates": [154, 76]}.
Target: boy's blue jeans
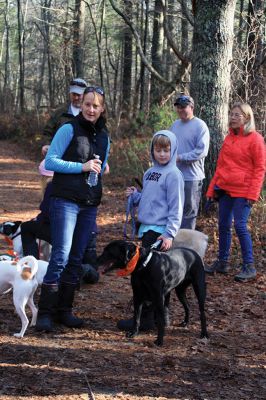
{"type": "Point", "coordinates": [71, 228]}
{"type": "Point", "coordinates": [236, 208]}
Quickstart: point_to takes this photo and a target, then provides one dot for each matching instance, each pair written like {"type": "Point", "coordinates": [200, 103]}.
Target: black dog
{"type": "Point", "coordinates": [9, 228]}
{"type": "Point", "coordinates": [153, 275]}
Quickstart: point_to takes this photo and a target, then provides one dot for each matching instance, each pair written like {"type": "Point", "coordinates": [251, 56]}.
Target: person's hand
{"type": "Point", "coordinates": [166, 243]}
{"type": "Point", "coordinates": [45, 149]}
{"type": "Point", "coordinates": [130, 190]}
{"type": "Point", "coordinates": [208, 205]}
{"type": "Point", "coordinates": [92, 165]}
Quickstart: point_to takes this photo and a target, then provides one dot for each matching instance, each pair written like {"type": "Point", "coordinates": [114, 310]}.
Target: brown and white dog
{"type": "Point", "coordinates": [23, 276]}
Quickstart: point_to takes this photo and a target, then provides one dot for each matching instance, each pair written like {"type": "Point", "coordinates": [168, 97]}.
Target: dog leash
{"type": "Point", "coordinates": [130, 212]}
{"type": "Point", "coordinates": [154, 246]}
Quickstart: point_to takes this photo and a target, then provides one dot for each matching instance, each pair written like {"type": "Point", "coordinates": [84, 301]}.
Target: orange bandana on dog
{"type": "Point", "coordinates": [8, 241]}
{"type": "Point", "coordinates": [131, 265]}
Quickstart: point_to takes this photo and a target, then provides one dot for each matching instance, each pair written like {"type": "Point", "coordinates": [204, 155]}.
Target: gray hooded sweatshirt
{"type": "Point", "coordinates": [162, 199]}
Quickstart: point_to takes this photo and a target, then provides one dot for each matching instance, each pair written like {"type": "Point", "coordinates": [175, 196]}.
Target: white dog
{"type": "Point", "coordinates": [23, 276]}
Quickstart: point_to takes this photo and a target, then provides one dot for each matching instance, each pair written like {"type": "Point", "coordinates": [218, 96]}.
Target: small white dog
{"type": "Point", "coordinates": [23, 276]}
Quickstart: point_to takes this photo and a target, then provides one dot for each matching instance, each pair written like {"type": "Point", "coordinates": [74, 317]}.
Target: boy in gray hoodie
{"type": "Point", "coordinates": [160, 205]}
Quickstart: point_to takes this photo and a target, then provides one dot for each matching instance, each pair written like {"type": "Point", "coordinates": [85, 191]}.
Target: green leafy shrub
{"type": "Point", "coordinates": [130, 156]}
{"type": "Point", "coordinates": [159, 117]}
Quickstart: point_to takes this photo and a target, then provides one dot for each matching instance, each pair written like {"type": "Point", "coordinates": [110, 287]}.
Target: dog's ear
{"type": "Point", "coordinates": [130, 250]}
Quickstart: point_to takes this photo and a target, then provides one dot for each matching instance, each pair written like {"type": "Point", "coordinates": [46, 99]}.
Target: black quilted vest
{"type": "Point", "coordinates": [88, 139]}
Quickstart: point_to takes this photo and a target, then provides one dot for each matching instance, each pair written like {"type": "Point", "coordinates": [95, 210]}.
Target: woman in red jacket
{"type": "Point", "coordinates": [237, 184]}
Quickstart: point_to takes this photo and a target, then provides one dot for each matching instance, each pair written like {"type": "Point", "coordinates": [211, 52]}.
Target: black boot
{"type": "Point", "coordinates": [46, 306]}
{"type": "Point", "coordinates": [146, 321]}
{"type": "Point", "coordinates": [65, 305]}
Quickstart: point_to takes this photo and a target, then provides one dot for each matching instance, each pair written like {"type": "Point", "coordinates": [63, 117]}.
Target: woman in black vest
{"type": "Point", "coordinates": [73, 206]}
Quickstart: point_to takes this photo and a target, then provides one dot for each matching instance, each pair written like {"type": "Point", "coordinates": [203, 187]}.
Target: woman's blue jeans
{"type": "Point", "coordinates": [236, 208]}
{"type": "Point", "coordinates": [71, 228]}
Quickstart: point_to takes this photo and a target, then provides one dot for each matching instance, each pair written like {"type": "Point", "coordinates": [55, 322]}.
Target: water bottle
{"type": "Point", "coordinates": [93, 176]}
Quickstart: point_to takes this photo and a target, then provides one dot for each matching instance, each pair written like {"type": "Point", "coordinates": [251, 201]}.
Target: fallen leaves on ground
{"type": "Point", "coordinates": [100, 361]}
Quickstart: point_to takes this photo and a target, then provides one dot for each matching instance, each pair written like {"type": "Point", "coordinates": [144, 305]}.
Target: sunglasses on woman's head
{"type": "Point", "coordinates": [97, 89]}
{"type": "Point", "coordinates": [77, 83]}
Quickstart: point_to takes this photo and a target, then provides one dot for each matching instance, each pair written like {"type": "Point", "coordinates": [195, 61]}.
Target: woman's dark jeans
{"type": "Point", "coordinates": [236, 208]}
{"type": "Point", "coordinates": [71, 228]}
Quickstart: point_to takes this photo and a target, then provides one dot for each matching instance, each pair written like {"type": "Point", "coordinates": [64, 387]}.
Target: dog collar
{"type": "Point", "coordinates": [131, 265]}
{"type": "Point", "coordinates": [8, 240]}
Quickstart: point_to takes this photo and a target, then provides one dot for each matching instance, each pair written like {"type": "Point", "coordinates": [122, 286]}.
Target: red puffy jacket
{"type": "Point", "coordinates": [240, 167]}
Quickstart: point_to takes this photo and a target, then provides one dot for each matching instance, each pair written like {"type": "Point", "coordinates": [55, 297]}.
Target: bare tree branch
{"type": "Point", "coordinates": [168, 35]}
{"type": "Point", "coordinates": [139, 46]}
{"type": "Point", "coordinates": [187, 13]}
{"type": "Point", "coordinates": [98, 43]}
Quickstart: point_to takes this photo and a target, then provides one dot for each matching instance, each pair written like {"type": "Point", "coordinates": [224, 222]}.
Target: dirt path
{"type": "Point", "coordinates": [98, 359]}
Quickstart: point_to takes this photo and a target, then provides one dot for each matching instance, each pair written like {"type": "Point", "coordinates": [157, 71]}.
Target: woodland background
{"type": "Point", "coordinates": [143, 53]}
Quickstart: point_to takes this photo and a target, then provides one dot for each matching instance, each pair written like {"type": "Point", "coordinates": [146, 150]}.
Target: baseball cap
{"type": "Point", "coordinates": [183, 101]}
{"type": "Point", "coordinates": [43, 171]}
{"type": "Point", "coordinates": [77, 85]}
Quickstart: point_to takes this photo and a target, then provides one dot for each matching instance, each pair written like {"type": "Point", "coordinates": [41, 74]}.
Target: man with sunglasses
{"type": "Point", "coordinates": [193, 145]}
{"type": "Point", "coordinates": [66, 112]}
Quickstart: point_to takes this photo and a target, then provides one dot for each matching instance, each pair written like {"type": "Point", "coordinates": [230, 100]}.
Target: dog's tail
{"type": "Point", "coordinates": [29, 267]}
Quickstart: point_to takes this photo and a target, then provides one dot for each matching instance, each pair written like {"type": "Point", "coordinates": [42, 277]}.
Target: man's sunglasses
{"type": "Point", "coordinates": [77, 83]}
{"type": "Point", "coordinates": [97, 89]}
{"type": "Point", "coordinates": [183, 101]}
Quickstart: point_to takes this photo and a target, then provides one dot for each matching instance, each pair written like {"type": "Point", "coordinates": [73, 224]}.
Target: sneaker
{"type": "Point", "coordinates": [218, 266]}
{"type": "Point", "coordinates": [248, 272]}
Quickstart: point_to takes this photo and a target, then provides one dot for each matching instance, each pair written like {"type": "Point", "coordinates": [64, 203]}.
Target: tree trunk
{"type": "Point", "coordinates": [127, 62]}
{"type": "Point", "coordinates": [240, 23]}
{"type": "Point", "coordinates": [157, 49]}
{"type": "Point", "coordinates": [20, 22]}
{"type": "Point", "coordinates": [6, 99]}
{"type": "Point", "coordinates": [256, 94]}
{"type": "Point", "coordinates": [210, 76]}
{"type": "Point", "coordinates": [46, 56]}
{"type": "Point", "coordinates": [78, 38]}
{"type": "Point", "coordinates": [184, 31]}
{"type": "Point", "coordinates": [144, 45]}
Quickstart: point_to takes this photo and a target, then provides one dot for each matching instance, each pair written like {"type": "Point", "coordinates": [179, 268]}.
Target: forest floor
{"type": "Point", "coordinates": [97, 361]}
